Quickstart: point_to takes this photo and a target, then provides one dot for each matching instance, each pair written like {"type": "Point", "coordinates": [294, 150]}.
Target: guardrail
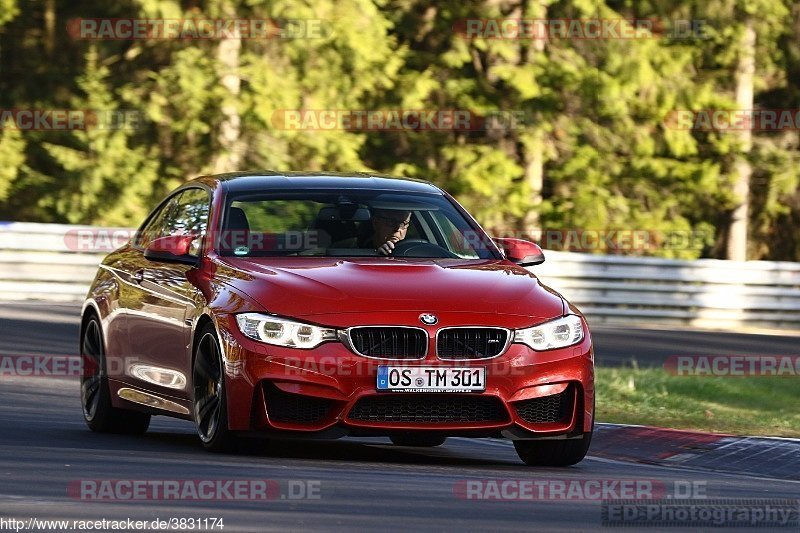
{"type": "Point", "coordinates": [707, 293]}
{"type": "Point", "coordinates": [45, 262]}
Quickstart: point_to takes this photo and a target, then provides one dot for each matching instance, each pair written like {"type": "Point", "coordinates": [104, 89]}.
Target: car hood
{"type": "Point", "coordinates": [303, 287]}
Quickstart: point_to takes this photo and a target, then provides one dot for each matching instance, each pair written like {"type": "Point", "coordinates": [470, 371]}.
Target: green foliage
{"type": "Point", "coordinates": [98, 164]}
{"type": "Point", "coordinates": [593, 149]}
{"type": "Point", "coordinates": [8, 10]}
{"type": "Point", "coordinates": [12, 154]}
{"type": "Point", "coordinates": [485, 181]}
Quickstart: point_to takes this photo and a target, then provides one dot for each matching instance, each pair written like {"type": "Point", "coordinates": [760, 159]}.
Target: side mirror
{"type": "Point", "coordinates": [521, 252]}
{"type": "Point", "coordinates": [171, 249]}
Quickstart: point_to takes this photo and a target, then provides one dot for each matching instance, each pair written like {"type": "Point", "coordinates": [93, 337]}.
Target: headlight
{"type": "Point", "coordinates": [282, 332]}
{"type": "Point", "coordinates": [558, 333]}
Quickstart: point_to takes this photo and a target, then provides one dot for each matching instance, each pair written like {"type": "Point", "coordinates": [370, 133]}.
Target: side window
{"type": "Point", "coordinates": [190, 216]}
{"type": "Point", "coordinates": [155, 226]}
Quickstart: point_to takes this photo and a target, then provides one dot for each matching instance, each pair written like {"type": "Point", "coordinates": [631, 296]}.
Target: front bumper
{"type": "Point", "coordinates": [329, 390]}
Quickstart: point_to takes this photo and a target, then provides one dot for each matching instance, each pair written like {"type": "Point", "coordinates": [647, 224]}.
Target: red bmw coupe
{"type": "Point", "coordinates": [326, 305]}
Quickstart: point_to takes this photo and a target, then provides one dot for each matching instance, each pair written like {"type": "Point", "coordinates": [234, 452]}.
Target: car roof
{"type": "Point", "coordinates": [272, 180]}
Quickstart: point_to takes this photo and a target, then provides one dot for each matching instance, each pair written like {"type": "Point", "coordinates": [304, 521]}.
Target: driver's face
{"type": "Point", "coordinates": [390, 225]}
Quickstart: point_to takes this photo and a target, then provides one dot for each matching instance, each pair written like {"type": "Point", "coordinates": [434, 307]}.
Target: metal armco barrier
{"type": "Point", "coordinates": [49, 262]}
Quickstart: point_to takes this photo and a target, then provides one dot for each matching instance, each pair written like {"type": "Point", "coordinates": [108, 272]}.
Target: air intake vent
{"type": "Point", "coordinates": [297, 408]}
{"type": "Point", "coordinates": [429, 408]}
{"type": "Point", "coordinates": [553, 408]}
{"type": "Point", "coordinates": [471, 343]}
{"type": "Point", "coordinates": [390, 342]}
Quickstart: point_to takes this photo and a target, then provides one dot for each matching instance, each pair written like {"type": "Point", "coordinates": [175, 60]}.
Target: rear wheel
{"type": "Point", "coordinates": [98, 413]}
{"type": "Point", "coordinates": [419, 441]}
{"type": "Point", "coordinates": [210, 405]}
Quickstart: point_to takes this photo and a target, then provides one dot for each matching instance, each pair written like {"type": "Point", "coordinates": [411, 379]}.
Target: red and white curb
{"type": "Point", "coordinates": [762, 456]}
{"type": "Point", "coordinates": [769, 457]}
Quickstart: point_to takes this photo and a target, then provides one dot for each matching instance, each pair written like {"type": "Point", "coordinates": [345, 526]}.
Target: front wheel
{"type": "Point", "coordinates": [553, 452]}
{"type": "Point", "coordinates": [98, 413]}
{"type": "Point", "coordinates": [210, 405]}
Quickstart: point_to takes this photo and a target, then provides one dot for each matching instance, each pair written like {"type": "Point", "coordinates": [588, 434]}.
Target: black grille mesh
{"type": "Point", "coordinates": [298, 408]}
{"type": "Point", "coordinates": [553, 408]}
{"type": "Point", "coordinates": [470, 343]}
{"type": "Point", "coordinates": [392, 342]}
{"type": "Point", "coordinates": [428, 408]}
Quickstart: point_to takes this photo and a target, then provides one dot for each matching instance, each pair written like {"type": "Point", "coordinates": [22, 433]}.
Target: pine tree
{"type": "Point", "coordinates": [98, 162]}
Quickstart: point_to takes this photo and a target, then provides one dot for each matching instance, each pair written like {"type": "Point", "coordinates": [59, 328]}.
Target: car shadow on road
{"type": "Point", "coordinates": [349, 450]}
{"type": "Point", "coordinates": [456, 452]}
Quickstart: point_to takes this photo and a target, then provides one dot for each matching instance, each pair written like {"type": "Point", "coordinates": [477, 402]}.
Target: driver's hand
{"type": "Point", "coordinates": [386, 248]}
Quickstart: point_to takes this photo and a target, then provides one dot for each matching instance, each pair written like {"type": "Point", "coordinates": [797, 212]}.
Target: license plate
{"type": "Point", "coordinates": [431, 379]}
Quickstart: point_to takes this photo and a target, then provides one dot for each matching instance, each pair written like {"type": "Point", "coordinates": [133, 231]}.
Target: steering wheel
{"type": "Point", "coordinates": [420, 248]}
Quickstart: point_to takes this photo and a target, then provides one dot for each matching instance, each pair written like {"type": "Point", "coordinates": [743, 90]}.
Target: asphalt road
{"type": "Point", "coordinates": [360, 483]}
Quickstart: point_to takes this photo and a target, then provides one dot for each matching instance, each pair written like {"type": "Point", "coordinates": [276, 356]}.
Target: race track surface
{"type": "Point", "coordinates": [45, 450]}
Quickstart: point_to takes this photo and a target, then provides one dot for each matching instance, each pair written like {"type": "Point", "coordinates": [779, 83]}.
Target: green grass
{"type": "Point", "coordinates": [767, 406]}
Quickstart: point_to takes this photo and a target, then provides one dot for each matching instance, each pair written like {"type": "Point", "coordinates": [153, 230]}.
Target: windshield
{"type": "Point", "coordinates": [348, 223]}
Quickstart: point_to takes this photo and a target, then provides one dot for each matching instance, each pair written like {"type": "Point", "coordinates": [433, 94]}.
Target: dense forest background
{"type": "Point", "coordinates": [596, 149]}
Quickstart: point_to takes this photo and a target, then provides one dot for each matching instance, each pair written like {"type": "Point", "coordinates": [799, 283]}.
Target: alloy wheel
{"type": "Point", "coordinates": [208, 385]}
{"type": "Point", "coordinates": [92, 360]}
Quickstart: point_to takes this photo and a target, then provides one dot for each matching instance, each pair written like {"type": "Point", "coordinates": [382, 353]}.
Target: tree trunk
{"type": "Point", "coordinates": [533, 150]}
{"type": "Point", "coordinates": [745, 71]}
{"type": "Point", "coordinates": [230, 157]}
{"type": "Point", "coordinates": [49, 27]}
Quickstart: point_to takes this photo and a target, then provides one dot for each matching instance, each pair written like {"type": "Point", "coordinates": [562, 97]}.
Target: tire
{"type": "Point", "coordinates": [209, 401]}
{"type": "Point", "coordinates": [418, 440]}
{"type": "Point", "coordinates": [556, 452]}
{"type": "Point", "coordinates": [98, 412]}
{"type": "Point", "coordinates": [553, 452]}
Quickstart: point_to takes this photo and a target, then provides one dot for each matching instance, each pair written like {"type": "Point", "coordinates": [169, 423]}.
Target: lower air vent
{"type": "Point", "coordinates": [553, 408]}
{"type": "Point", "coordinates": [296, 408]}
{"type": "Point", "coordinates": [428, 408]}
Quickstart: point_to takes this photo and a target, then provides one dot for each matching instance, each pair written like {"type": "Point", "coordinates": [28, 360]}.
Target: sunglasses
{"type": "Point", "coordinates": [394, 222]}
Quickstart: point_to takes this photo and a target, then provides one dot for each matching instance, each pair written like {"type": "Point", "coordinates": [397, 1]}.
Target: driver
{"type": "Point", "coordinates": [389, 226]}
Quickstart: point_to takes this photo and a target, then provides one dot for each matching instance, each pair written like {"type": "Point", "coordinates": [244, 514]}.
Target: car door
{"type": "Point", "coordinates": [126, 265]}
{"type": "Point", "coordinates": [159, 316]}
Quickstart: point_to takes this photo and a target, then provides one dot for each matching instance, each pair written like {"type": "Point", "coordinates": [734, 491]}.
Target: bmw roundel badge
{"type": "Point", "coordinates": [428, 319]}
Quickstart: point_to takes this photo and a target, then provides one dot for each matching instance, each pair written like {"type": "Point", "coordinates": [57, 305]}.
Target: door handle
{"type": "Point", "coordinates": [138, 276]}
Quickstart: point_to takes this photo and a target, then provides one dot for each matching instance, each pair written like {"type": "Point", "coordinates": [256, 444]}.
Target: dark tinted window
{"type": "Point", "coordinates": [184, 213]}
{"type": "Point", "coordinates": [347, 223]}
{"type": "Point", "coordinates": [190, 216]}
{"type": "Point", "coordinates": [155, 226]}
